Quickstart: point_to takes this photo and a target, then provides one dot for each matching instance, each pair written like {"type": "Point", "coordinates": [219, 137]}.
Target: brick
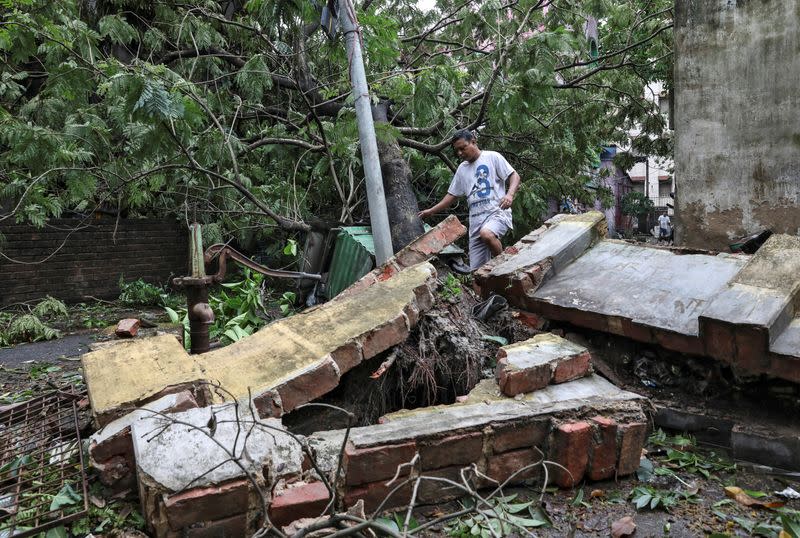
{"type": "Point", "coordinates": [534, 321]}
{"type": "Point", "coordinates": [752, 350]}
{"type": "Point", "coordinates": [347, 356]}
{"type": "Point", "coordinates": [230, 527]}
{"type": "Point", "coordinates": [635, 331]}
{"type": "Point", "coordinates": [208, 503]}
{"type": "Point", "coordinates": [127, 328]}
{"type": "Point", "coordinates": [387, 335]}
{"type": "Point", "coordinates": [514, 381]}
{"type": "Point", "coordinates": [376, 463]}
{"type": "Point", "coordinates": [507, 437]}
{"type": "Point", "coordinates": [465, 448]}
{"type": "Point", "coordinates": [307, 500]}
{"type": "Point", "coordinates": [433, 241]}
{"type": "Point", "coordinates": [375, 493]}
{"type": "Point", "coordinates": [603, 455]}
{"type": "Point", "coordinates": [114, 470]}
{"type": "Point", "coordinates": [570, 449]}
{"type": "Point", "coordinates": [718, 340]}
{"type": "Point", "coordinates": [436, 491]}
{"type": "Point", "coordinates": [681, 343]}
{"type": "Point", "coordinates": [268, 404]}
{"type": "Point", "coordinates": [501, 467]}
{"type": "Point", "coordinates": [573, 368]}
{"type": "Point", "coordinates": [631, 440]}
{"type": "Point", "coordinates": [309, 385]}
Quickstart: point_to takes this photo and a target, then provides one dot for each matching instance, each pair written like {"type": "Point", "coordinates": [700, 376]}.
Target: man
{"type": "Point", "coordinates": [664, 227]}
{"type": "Point", "coordinates": [481, 178]}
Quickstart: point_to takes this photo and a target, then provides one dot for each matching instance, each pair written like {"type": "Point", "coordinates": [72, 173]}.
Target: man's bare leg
{"type": "Point", "coordinates": [491, 241]}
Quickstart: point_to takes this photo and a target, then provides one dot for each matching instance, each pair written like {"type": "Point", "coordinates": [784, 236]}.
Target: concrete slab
{"type": "Point", "coordinates": [300, 357]}
{"type": "Point", "coordinates": [176, 452]}
{"type": "Point", "coordinates": [648, 286]}
{"type": "Point", "coordinates": [563, 242]}
{"type": "Point", "coordinates": [788, 341]}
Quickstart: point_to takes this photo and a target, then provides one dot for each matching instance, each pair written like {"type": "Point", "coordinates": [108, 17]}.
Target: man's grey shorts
{"type": "Point", "coordinates": [479, 252]}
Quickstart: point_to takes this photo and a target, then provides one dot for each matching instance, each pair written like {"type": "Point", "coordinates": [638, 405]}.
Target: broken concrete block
{"type": "Point", "coordinates": [538, 255]}
{"type": "Point", "coordinates": [535, 363]}
{"type": "Point", "coordinates": [127, 328]}
{"type": "Point", "coordinates": [295, 359]}
{"type": "Point", "coordinates": [186, 475]}
{"type": "Point", "coordinates": [112, 446]}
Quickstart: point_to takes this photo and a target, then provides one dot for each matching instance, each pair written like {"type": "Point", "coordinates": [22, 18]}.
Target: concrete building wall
{"type": "Point", "coordinates": [737, 119]}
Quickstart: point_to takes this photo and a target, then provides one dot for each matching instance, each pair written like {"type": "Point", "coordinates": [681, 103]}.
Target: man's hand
{"type": "Point", "coordinates": [424, 213]}
{"type": "Point", "coordinates": [506, 201]}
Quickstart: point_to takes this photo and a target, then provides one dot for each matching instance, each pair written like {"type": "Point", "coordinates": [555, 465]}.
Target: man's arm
{"type": "Point", "coordinates": [514, 180]}
{"type": "Point", "coordinates": [445, 202]}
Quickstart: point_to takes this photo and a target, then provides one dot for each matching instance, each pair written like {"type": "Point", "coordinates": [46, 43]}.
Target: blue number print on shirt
{"type": "Point", "coordinates": [482, 185]}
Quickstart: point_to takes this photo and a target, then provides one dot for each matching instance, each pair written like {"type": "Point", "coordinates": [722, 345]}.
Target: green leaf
{"type": "Point", "coordinates": [58, 532]}
{"type": "Point", "coordinates": [499, 340]}
{"type": "Point", "coordinates": [66, 497]}
{"type": "Point", "coordinates": [291, 248]}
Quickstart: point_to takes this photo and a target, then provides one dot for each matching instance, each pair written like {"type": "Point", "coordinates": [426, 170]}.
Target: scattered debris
{"type": "Point", "coordinates": [623, 528]}
{"type": "Point", "coordinates": [127, 328]}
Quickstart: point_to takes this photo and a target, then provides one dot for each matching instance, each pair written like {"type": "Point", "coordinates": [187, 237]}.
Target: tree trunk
{"type": "Point", "coordinates": [401, 200]}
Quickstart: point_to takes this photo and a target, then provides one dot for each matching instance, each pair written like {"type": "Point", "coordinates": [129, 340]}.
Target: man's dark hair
{"type": "Point", "coordinates": [462, 134]}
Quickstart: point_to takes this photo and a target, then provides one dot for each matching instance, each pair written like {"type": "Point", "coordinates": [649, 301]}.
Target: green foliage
{"type": "Point", "coordinates": [183, 109]}
{"type": "Point", "coordinates": [682, 455]}
{"type": "Point", "coordinates": [503, 517]}
{"type": "Point", "coordinates": [28, 328]}
{"type": "Point", "coordinates": [238, 308]}
{"type": "Point", "coordinates": [451, 287]}
{"type": "Point", "coordinates": [635, 203]}
{"type": "Point", "coordinates": [650, 498]}
{"type": "Point", "coordinates": [50, 307]}
{"type": "Point", "coordinates": [139, 293]}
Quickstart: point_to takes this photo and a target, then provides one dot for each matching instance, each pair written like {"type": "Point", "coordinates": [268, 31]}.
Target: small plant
{"type": "Point", "coordinates": [650, 498]}
{"type": "Point", "coordinates": [502, 518]}
{"type": "Point", "coordinates": [451, 287]}
{"type": "Point", "coordinates": [286, 303]}
{"type": "Point", "coordinates": [139, 293]}
{"type": "Point", "coordinates": [50, 307]}
{"type": "Point", "coordinates": [682, 455]}
{"type": "Point", "coordinates": [29, 328]}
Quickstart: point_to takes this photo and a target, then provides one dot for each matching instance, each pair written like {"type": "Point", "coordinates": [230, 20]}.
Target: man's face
{"type": "Point", "coordinates": [466, 151]}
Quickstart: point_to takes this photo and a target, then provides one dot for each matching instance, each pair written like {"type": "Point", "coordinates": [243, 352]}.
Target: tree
{"type": "Point", "coordinates": [238, 113]}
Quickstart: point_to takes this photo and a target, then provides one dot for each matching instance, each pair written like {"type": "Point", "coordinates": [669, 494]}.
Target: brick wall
{"type": "Point", "coordinates": [90, 261]}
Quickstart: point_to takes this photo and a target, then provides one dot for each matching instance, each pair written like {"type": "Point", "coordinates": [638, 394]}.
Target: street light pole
{"type": "Point", "coordinates": [379, 218]}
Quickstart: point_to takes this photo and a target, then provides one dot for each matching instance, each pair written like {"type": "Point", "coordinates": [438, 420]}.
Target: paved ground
{"type": "Point", "coordinates": [69, 346]}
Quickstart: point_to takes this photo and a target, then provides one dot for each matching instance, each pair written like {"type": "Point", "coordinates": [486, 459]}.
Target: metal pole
{"type": "Point", "coordinates": [378, 215]}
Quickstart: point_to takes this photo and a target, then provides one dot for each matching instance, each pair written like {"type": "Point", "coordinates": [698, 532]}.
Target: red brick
{"type": "Point", "coordinates": [114, 471]}
{"type": "Point", "coordinates": [347, 356]}
{"type": "Point", "coordinates": [514, 381]}
{"type": "Point", "coordinates": [752, 350]}
{"type": "Point", "coordinates": [534, 321]}
{"type": "Point", "coordinates": [583, 318]}
{"type": "Point", "coordinates": [455, 450]}
{"type": "Point", "coordinates": [635, 331]}
{"type": "Point", "coordinates": [785, 368]}
{"type": "Point", "coordinates": [309, 385]}
{"type": "Point", "coordinates": [679, 342]}
{"type": "Point", "coordinates": [268, 404]}
{"type": "Point", "coordinates": [127, 328]}
{"type": "Point", "coordinates": [501, 467]}
{"type": "Point", "coordinates": [209, 503]}
{"type": "Point", "coordinates": [376, 463]}
{"type": "Point", "coordinates": [308, 500]}
{"type": "Point", "coordinates": [387, 335]}
{"type": "Point", "coordinates": [519, 287]}
{"type": "Point", "coordinates": [573, 368]}
{"type": "Point", "coordinates": [631, 441]}
{"type": "Point", "coordinates": [518, 435]}
{"type": "Point", "coordinates": [570, 449]}
{"type": "Point", "coordinates": [603, 457]}
{"type": "Point", "coordinates": [436, 491]}
{"type": "Point", "coordinates": [718, 340]}
{"type": "Point", "coordinates": [230, 527]}
{"type": "Point", "coordinates": [374, 493]}
{"type": "Point", "coordinates": [434, 240]}
{"type": "Point", "coordinates": [387, 271]}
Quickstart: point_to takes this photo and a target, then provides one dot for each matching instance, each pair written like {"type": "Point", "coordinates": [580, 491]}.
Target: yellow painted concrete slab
{"type": "Point", "coordinates": [123, 375]}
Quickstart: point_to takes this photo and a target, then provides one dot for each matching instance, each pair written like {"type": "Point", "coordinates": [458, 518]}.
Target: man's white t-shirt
{"type": "Point", "coordinates": [663, 222]}
{"type": "Point", "coordinates": [483, 182]}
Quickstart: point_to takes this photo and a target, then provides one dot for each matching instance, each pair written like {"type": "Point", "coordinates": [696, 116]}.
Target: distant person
{"type": "Point", "coordinates": [664, 227]}
{"type": "Point", "coordinates": [481, 178]}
